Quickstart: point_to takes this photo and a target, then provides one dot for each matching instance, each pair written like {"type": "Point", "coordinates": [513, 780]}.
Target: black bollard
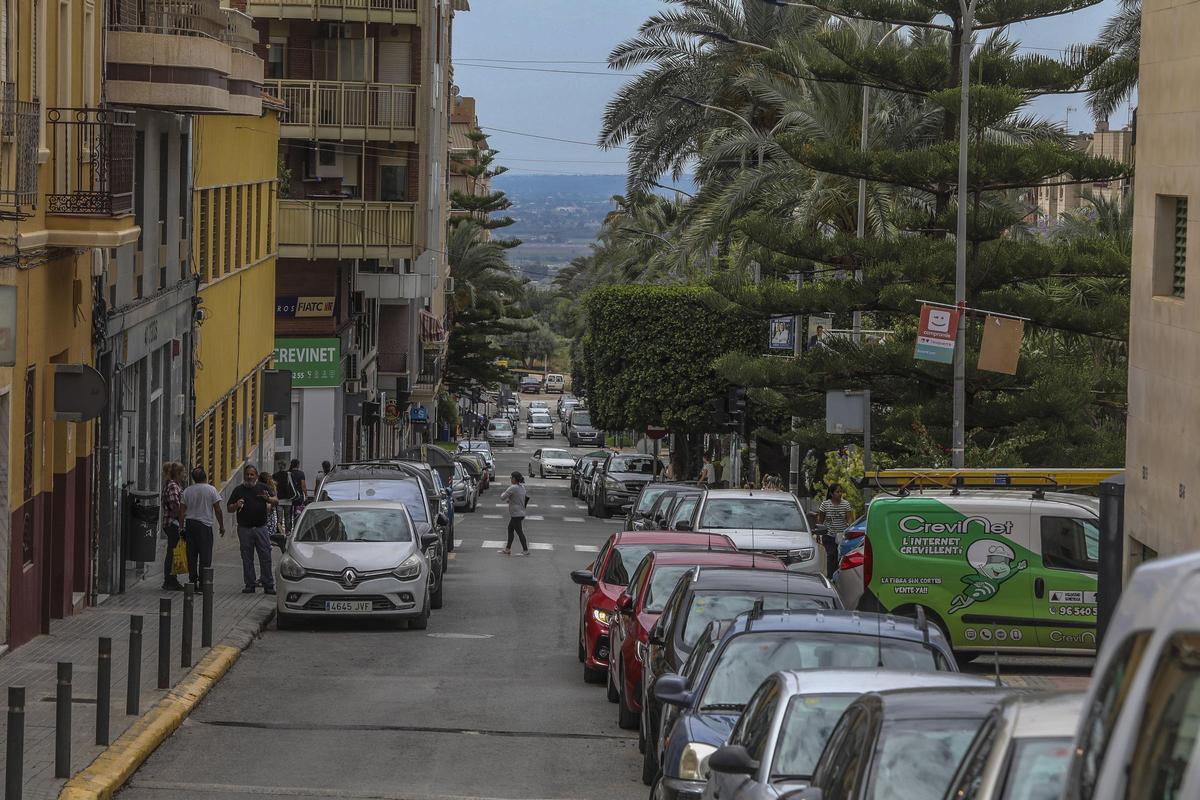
{"type": "Point", "coordinates": [62, 722]}
{"type": "Point", "coordinates": [133, 688]}
{"type": "Point", "coordinates": [164, 643]}
{"type": "Point", "coordinates": [206, 609]}
{"type": "Point", "coordinates": [14, 762]}
{"type": "Point", "coordinates": [103, 689]}
{"type": "Point", "coordinates": [189, 605]}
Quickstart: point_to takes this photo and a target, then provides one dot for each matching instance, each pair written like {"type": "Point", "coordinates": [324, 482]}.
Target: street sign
{"type": "Point", "coordinates": [936, 334]}
{"type": "Point", "coordinates": [655, 433]}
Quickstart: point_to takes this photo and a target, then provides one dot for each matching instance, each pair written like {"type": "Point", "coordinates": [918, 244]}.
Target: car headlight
{"type": "Point", "coordinates": [802, 554]}
{"type": "Point", "coordinates": [601, 616]}
{"type": "Point", "coordinates": [613, 483]}
{"type": "Point", "coordinates": [693, 764]}
{"type": "Point", "coordinates": [290, 568]}
{"type": "Point", "coordinates": [409, 568]}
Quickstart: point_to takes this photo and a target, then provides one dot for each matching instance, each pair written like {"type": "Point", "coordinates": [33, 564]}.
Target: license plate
{"type": "Point", "coordinates": [348, 606]}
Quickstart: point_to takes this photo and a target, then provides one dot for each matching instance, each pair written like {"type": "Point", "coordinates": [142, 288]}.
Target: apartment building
{"type": "Point", "coordinates": [1162, 501]}
{"type": "Point", "coordinates": [1062, 196]}
{"type": "Point", "coordinates": [66, 203]}
{"type": "Point", "coordinates": [362, 218]}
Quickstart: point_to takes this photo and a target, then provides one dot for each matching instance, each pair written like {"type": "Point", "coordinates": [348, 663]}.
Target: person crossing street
{"type": "Point", "coordinates": [517, 498]}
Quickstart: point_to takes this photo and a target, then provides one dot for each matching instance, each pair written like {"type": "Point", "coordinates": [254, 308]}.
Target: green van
{"type": "Point", "coordinates": [1008, 571]}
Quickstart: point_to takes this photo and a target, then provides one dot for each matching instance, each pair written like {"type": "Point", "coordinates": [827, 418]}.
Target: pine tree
{"type": "Point", "coordinates": [481, 202]}
{"type": "Point", "coordinates": [1065, 405]}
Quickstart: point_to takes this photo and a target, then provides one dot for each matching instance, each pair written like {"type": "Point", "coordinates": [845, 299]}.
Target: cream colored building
{"type": "Point", "coordinates": [1163, 440]}
{"type": "Point", "coordinates": [1061, 196]}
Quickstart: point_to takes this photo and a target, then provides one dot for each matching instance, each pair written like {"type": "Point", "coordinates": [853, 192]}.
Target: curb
{"type": "Point", "coordinates": [101, 779]}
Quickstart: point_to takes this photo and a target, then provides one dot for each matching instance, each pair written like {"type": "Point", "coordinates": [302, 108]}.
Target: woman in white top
{"type": "Point", "coordinates": [516, 497]}
{"type": "Point", "coordinates": [835, 512]}
{"type": "Point", "coordinates": [202, 513]}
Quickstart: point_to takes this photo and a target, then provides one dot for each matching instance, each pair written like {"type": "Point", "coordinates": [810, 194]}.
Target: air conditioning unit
{"type": "Point", "coordinates": [352, 387]}
{"type": "Point", "coordinates": [352, 371]}
{"type": "Point", "coordinates": [449, 285]}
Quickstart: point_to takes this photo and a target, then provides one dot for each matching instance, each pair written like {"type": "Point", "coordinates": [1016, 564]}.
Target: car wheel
{"type": "Point", "coordinates": [626, 719]}
{"type": "Point", "coordinates": [649, 765]}
{"type": "Point", "coordinates": [284, 621]}
{"type": "Point", "coordinates": [611, 688]}
{"type": "Point", "coordinates": [593, 675]}
{"type": "Point", "coordinates": [422, 622]}
{"type": "Point", "coordinates": [435, 598]}
{"type": "Point", "coordinates": [602, 509]}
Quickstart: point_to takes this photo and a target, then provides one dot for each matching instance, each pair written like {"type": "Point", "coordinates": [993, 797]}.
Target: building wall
{"type": "Point", "coordinates": [234, 197]}
{"type": "Point", "coordinates": [1162, 472]}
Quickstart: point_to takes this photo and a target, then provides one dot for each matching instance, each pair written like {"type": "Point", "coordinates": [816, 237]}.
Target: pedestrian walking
{"type": "Point", "coordinates": [252, 501]}
{"type": "Point", "coordinates": [517, 498]}
{"type": "Point", "coordinates": [202, 513]}
{"type": "Point", "coordinates": [171, 514]}
{"type": "Point", "coordinates": [708, 472]}
{"type": "Point", "coordinates": [834, 513]}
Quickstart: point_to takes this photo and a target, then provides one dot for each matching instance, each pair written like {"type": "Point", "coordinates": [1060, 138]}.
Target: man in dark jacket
{"type": "Point", "coordinates": [252, 502]}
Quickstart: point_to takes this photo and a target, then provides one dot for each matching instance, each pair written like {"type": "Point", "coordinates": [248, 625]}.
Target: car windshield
{"type": "Point", "coordinates": [642, 464]}
{"type": "Point", "coordinates": [806, 727]}
{"type": "Point", "coordinates": [353, 525]}
{"type": "Point", "coordinates": [581, 418]}
{"type": "Point", "coordinates": [561, 454]}
{"type": "Point", "coordinates": [1037, 769]}
{"type": "Point", "coordinates": [750, 657]}
{"type": "Point", "coordinates": [626, 557]}
{"type": "Point", "coordinates": [918, 758]}
{"type": "Point", "coordinates": [500, 425]}
{"type": "Point", "coordinates": [400, 491]}
{"type": "Point", "coordinates": [537, 404]}
{"type": "Point", "coordinates": [540, 419]}
{"type": "Point", "coordinates": [750, 513]}
{"type": "Point", "coordinates": [662, 583]}
{"type": "Point", "coordinates": [481, 446]}
{"type": "Point", "coordinates": [651, 493]}
{"type": "Point", "coordinates": [716, 605]}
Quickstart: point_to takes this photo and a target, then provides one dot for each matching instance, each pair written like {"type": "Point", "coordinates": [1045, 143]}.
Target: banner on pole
{"type": "Point", "coordinates": [1001, 346]}
{"type": "Point", "coordinates": [783, 333]}
{"type": "Point", "coordinates": [936, 334]}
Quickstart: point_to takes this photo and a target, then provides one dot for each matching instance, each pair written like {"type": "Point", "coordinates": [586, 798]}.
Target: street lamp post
{"type": "Point", "coordinates": [958, 431]}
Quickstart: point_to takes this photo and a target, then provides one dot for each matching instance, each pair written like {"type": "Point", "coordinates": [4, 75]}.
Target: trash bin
{"type": "Point", "coordinates": [141, 526]}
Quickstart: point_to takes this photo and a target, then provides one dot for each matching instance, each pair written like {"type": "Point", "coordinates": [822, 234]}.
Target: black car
{"type": "Point", "coordinates": [702, 596]}
{"type": "Point", "coordinates": [639, 516]}
{"type": "Point", "coordinates": [530, 385]}
{"type": "Point", "coordinates": [579, 431]}
{"type": "Point", "coordinates": [398, 482]}
{"type": "Point", "coordinates": [577, 473]}
{"type": "Point", "coordinates": [908, 740]}
{"type": "Point", "coordinates": [618, 481]}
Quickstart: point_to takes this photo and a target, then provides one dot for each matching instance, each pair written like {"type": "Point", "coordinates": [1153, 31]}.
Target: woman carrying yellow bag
{"type": "Point", "coordinates": [171, 514]}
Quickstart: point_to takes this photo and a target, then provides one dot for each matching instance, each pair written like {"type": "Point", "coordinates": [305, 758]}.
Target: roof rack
{"type": "Point", "coordinates": [1061, 479]}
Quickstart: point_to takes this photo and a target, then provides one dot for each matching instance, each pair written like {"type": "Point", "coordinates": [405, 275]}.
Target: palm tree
{"type": "Point", "coordinates": [1116, 80]}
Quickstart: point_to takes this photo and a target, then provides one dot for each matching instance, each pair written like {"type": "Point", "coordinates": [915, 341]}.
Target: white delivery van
{"type": "Point", "coordinates": [555, 382]}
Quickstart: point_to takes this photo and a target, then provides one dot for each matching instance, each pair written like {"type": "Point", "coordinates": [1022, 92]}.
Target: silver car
{"type": "Point", "coordinates": [539, 425]}
{"type": "Point", "coordinates": [767, 522]}
{"type": "Point", "coordinates": [550, 462]}
{"type": "Point", "coordinates": [779, 737]}
{"type": "Point", "coordinates": [464, 489]}
{"type": "Point", "coordinates": [500, 431]}
{"type": "Point", "coordinates": [358, 559]}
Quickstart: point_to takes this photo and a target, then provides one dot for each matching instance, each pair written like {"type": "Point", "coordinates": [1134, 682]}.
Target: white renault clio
{"type": "Point", "coordinates": [357, 559]}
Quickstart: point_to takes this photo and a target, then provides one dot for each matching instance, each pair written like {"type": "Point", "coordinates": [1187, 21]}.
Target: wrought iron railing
{"type": "Point", "coordinates": [8, 108]}
{"type": "Point", "coordinates": [18, 155]}
{"type": "Point", "coordinates": [92, 158]}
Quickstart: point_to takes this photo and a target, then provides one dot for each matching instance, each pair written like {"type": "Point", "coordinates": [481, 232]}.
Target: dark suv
{"type": "Point", "coordinates": [579, 430]}
{"type": "Point", "coordinates": [619, 480]}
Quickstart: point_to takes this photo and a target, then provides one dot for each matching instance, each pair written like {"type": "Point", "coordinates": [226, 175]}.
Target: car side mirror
{"type": "Point", "coordinates": [441, 520]}
{"type": "Point", "coordinates": [820, 530]}
{"type": "Point", "coordinates": [733, 759]}
{"type": "Point", "coordinates": [279, 540]}
{"type": "Point", "coordinates": [625, 509]}
{"type": "Point", "coordinates": [625, 603]}
{"type": "Point", "coordinates": [429, 540]}
{"type": "Point", "coordinates": [672, 690]}
{"type": "Point", "coordinates": [683, 525]}
{"type": "Point", "coordinates": [583, 577]}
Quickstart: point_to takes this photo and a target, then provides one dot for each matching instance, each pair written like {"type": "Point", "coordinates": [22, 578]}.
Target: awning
{"type": "Point", "coordinates": [459, 139]}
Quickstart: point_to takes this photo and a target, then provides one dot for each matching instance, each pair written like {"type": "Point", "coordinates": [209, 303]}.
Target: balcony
{"type": "Point", "coordinates": [346, 229]}
{"type": "Point", "coordinates": [392, 12]}
{"type": "Point", "coordinates": [92, 165]}
{"type": "Point", "coordinates": [18, 155]}
{"type": "Point", "coordinates": [380, 112]}
{"type": "Point", "coordinates": [182, 55]}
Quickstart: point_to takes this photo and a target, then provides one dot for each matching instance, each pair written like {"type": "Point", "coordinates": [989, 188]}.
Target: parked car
{"type": "Point", "coordinates": [551, 462]}
{"type": "Point", "coordinates": [780, 734]}
{"type": "Point", "coordinates": [579, 431]}
{"type": "Point", "coordinates": [500, 431]}
{"type": "Point", "coordinates": [466, 490]}
{"type": "Point", "coordinates": [909, 740]}
{"type": "Point", "coordinates": [660, 513]}
{"type": "Point", "coordinates": [618, 480]}
{"type": "Point", "coordinates": [555, 382]}
{"type": "Point", "coordinates": [638, 517]}
{"type": "Point", "coordinates": [566, 404]}
{"type": "Point", "coordinates": [681, 514]}
{"type": "Point", "coordinates": [536, 407]}
{"type": "Point", "coordinates": [733, 657]}
{"type": "Point", "coordinates": [638, 608]}
{"type": "Point", "coordinates": [482, 448]}
{"type": "Point", "coordinates": [608, 575]}
{"type": "Point", "coordinates": [1137, 737]}
{"type": "Point", "coordinates": [539, 425]}
{"type": "Point", "coordinates": [1023, 749]}
{"type": "Point", "coordinates": [700, 597]}
{"type": "Point", "coordinates": [766, 522]}
{"type": "Point", "coordinates": [477, 467]}
{"type": "Point", "coordinates": [395, 469]}
{"type": "Point", "coordinates": [446, 509]}
{"type": "Point", "coordinates": [852, 556]}
{"type": "Point", "coordinates": [577, 479]}
{"type": "Point", "coordinates": [358, 558]}
{"type": "Point", "coordinates": [510, 409]}
{"type": "Point", "coordinates": [530, 384]}
{"type": "Point", "coordinates": [585, 482]}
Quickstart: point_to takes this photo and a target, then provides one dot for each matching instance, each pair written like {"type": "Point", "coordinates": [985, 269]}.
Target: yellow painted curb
{"type": "Point", "coordinates": [116, 765]}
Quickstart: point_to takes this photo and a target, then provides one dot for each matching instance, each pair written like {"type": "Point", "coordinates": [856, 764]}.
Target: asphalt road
{"type": "Point", "coordinates": [489, 702]}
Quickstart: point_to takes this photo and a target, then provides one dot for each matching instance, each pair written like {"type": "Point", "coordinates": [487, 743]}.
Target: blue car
{"type": "Point", "coordinates": [732, 658]}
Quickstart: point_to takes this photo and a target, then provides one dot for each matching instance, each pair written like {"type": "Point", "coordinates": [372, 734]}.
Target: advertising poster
{"type": "Point", "coordinates": [936, 333]}
{"type": "Point", "coordinates": [783, 333]}
{"type": "Point", "coordinates": [314, 363]}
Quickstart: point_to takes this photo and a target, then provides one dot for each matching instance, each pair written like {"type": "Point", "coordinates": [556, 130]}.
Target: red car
{"type": "Point", "coordinates": [608, 576]}
{"type": "Point", "coordinates": [638, 608]}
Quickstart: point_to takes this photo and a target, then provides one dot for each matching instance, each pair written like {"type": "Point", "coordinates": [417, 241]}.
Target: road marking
{"type": "Point", "coordinates": [581, 508]}
{"type": "Point", "coordinates": [458, 542]}
{"type": "Point", "coordinates": [492, 516]}
{"type": "Point", "coordinates": [540, 546]}
{"type": "Point", "coordinates": [586, 548]}
{"type": "Point", "coordinates": [501, 505]}
{"type": "Point", "coordinates": [493, 545]}
{"type": "Point", "coordinates": [531, 505]}
{"type": "Point", "coordinates": [459, 635]}
{"type": "Point", "coordinates": [557, 506]}
{"type": "Point", "coordinates": [573, 519]}
{"type": "Point", "coordinates": [535, 518]}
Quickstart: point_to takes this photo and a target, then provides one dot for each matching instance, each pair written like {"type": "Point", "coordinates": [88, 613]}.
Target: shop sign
{"type": "Point", "coordinates": [313, 362]}
{"type": "Point", "coordinates": [300, 307]}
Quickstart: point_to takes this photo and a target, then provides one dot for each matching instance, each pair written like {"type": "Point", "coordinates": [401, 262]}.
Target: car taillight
{"type": "Point", "coordinates": [851, 560]}
{"type": "Point", "coordinates": [867, 563]}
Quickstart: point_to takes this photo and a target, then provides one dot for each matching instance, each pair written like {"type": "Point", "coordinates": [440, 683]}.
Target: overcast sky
{"type": "Point", "coordinates": [522, 60]}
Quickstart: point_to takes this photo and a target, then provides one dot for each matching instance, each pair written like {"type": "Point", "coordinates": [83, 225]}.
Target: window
{"type": "Point", "coordinates": [393, 183]}
{"type": "Point", "coordinates": [1170, 723]}
{"type": "Point", "coordinates": [758, 730]}
{"type": "Point", "coordinates": [227, 231]}
{"type": "Point", "coordinates": [202, 234]}
{"type": "Point", "coordinates": [1170, 246]}
{"type": "Point", "coordinates": [1100, 717]}
{"type": "Point", "coordinates": [164, 176]}
{"type": "Point", "coordinates": [1070, 543]}
{"type": "Point", "coordinates": [806, 727]}
{"type": "Point", "coordinates": [276, 57]}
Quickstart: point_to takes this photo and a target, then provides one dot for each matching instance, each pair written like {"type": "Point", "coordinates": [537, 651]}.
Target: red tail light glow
{"type": "Point", "coordinates": [867, 563]}
{"type": "Point", "coordinates": [851, 560]}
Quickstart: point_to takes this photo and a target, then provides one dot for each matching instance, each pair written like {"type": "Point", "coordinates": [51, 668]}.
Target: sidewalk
{"type": "Point", "coordinates": [33, 665]}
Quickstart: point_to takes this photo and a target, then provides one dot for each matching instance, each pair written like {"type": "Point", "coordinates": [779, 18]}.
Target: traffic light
{"type": "Point", "coordinates": [735, 404]}
{"type": "Point", "coordinates": [370, 413]}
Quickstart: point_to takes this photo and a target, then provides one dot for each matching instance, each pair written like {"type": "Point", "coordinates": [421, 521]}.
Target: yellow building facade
{"type": "Point", "coordinates": [65, 201]}
{"type": "Point", "coordinates": [234, 201]}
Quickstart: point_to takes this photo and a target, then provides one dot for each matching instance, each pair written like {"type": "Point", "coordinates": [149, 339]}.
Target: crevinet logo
{"type": "Point", "coordinates": [915, 523]}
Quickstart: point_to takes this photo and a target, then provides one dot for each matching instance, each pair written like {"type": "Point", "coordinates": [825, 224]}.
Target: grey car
{"type": "Point", "coordinates": [500, 431]}
{"type": "Point", "coordinates": [579, 431]}
{"type": "Point", "coordinates": [780, 735]}
{"type": "Point", "coordinates": [465, 489]}
{"type": "Point", "coordinates": [619, 480]}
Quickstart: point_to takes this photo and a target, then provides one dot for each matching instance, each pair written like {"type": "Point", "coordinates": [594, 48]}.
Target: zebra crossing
{"type": "Point", "coordinates": [498, 544]}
